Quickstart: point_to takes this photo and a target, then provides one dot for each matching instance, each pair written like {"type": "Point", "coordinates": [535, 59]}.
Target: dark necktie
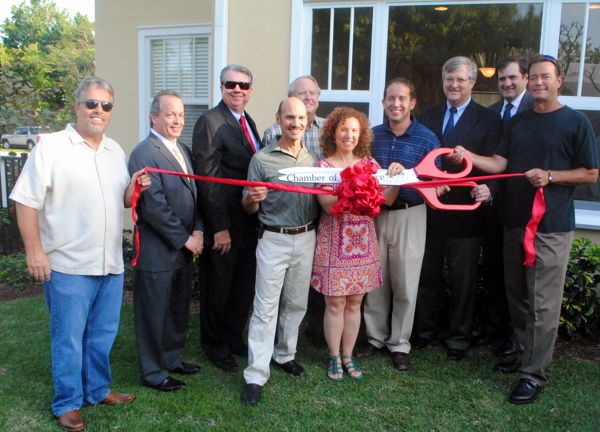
{"type": "Point", "coordinates": [247, 132]}
{"type": "Point", "coordinates": [506, 115]}
{"type": "Point", "coordinates": [450, 125]}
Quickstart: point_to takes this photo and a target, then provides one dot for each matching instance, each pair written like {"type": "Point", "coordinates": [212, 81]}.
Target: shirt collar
{"type": "Point", "coordinates": [165, 141]}
{"type": "Point", "coordinates": [515, 103]}
{"type": "Point", "coordinates": [459, 109]}
{"type": "Point", "coordinates": [409, 130]}
{"type": "Point", "coordinates": [78, 139]}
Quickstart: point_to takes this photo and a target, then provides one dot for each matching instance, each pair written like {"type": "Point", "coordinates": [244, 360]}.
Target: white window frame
{"type": "Point", "coordinates": [300, 58]}
{"type": "Point", "coordinates": [145, 36]}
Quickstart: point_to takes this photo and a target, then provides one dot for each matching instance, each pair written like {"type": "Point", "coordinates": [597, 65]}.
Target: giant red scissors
{"type": "Point", "coordinates": [413, 178]}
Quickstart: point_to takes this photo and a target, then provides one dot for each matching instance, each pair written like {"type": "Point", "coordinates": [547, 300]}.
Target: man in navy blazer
{"type": "Point", "coordinates": [225, 138]}
{"type": "Point", "coordinates": [491, 305]}
{"type": "Point", "coordinates": [170, 231]}
{"type": "Point", "coordinates": [455, 236]}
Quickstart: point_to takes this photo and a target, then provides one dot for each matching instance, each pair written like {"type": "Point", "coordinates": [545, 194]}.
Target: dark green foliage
{"type": "Point", "coordinates": [581, 304]}
{"type": "Point", "coordinates": [13, 271]}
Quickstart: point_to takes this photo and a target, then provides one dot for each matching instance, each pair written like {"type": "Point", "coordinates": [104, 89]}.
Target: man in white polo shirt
{"type": "Point", "coordinates": [69, 201]}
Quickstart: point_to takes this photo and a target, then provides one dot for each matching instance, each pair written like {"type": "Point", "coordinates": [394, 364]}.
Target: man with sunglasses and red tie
{"type": "Point", "coordinates": [70, 199]}
{"type": "Point", "coordinates": [225, 138]}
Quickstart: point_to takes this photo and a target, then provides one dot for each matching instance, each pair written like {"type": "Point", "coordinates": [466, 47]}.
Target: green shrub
{"type": "Point", "coordinates": [581, 304]}
{"type": "Point", "coordinates": [13, 271]}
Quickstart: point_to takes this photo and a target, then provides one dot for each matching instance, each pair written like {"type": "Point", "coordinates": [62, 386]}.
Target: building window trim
{"type": "Point", "coordinates": [145, 36]}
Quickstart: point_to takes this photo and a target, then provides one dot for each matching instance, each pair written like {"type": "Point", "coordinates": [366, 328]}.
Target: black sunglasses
{"type": "Point", "coordinates": [93, 103]}
{"type": "Point", "coordinates": [230, 85]}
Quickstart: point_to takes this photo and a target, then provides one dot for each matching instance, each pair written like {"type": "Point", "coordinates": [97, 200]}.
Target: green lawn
{"type": "Point", "coordinates": [435, 395]}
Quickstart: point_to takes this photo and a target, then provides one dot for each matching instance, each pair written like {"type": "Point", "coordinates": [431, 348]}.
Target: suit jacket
{"type": "Point", "coordinates": [221, 149]}
{"type": "Point", "coordinates": [478, 130]}
{"type": "Point", "coordinates": [167, 211]}
{"type": "Point", "coordinates": [526, 104]}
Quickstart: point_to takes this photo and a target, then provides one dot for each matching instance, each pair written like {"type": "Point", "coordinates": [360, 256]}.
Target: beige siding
{"type": "Point", "coordinates": [259, 38]}
{"type": "Point", "coordinates": [117, 24]}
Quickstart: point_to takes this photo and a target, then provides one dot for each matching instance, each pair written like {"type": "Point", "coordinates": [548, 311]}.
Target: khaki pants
{"type": "Point", "coordinates": [535, 296]}
{"type": "Point", "coordinates": [389, 311]}
{"type": "Point", "coordinates": [283, 270]}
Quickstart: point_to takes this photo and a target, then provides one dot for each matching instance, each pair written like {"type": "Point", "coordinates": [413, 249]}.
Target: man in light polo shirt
{"type": "Point", "coordinates": [69, 201]}
{"type": "Point", "coordinates": [284, 253]}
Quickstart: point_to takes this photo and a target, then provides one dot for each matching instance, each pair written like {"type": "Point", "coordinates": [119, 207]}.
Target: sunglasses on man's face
{"type": "Point", "coordinates": [230, 85]}
{"type": "Point", "coordinates": [93, 103]}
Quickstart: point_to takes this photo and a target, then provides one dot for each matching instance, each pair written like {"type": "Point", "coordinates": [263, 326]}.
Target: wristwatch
{"type": "Point", "coordinates": [549, 176]}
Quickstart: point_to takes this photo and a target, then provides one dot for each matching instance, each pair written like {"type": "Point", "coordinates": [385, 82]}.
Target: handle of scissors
{"type": "Point", "coordinates": [427, 167]}
{"type": "Point", "coordinates": [430, 195]}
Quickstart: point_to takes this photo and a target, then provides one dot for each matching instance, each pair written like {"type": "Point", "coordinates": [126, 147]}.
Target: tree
{"type": "Point", "coordinates": [44, 54]}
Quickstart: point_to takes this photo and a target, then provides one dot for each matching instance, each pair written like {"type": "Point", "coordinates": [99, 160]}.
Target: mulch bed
{"type": "Point", "coordinates": [579, 349]}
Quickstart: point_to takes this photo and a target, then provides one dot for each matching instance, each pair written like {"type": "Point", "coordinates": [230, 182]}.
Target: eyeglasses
{"type": "Point", "coordinates": [93, 103]}
{"type": "Point", "coordinates": [230, 85]}
{"type": "Point", "coordinates": [550, 59]}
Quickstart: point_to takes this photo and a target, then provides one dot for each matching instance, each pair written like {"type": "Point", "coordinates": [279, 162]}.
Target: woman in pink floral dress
{"type": "Point", "coordinates": [346, 262]}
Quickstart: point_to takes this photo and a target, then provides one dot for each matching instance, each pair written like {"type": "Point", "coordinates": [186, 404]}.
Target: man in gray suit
{"type": "Point", "coordinates": [494, 320]}
{"type": "Point", "coordinates": [171, 235]}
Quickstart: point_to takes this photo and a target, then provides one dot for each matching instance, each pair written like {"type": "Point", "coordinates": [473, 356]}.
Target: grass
{"type": "Point", "coordinates": [435, 395]}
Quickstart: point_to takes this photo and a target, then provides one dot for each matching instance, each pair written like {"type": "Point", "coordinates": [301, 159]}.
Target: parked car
{"type": "Point", "coordinates": [25, 137]}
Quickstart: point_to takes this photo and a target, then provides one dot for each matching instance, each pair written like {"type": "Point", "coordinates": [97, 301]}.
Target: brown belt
{"type": "Point", "coordinates": [291, 230]}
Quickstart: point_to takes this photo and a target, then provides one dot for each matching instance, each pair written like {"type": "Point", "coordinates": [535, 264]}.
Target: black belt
{"type": "Point", "coordinates": [291, 230]}
{"type": "Point", "coordinates": [400, 205]}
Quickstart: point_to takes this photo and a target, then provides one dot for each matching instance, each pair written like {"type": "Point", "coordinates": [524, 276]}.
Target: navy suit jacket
{"type": "Point", "coordinates": [526, 104]}
{"type": "Point", "coordinates": [167, 212]}
{"type": "Point", "coordinates": [478, 130]}
{"type": "Point", "coordinates": [221, 149]}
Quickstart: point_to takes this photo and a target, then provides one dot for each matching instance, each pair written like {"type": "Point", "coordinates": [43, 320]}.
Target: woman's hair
{"type": "Point", "coordinates": [337, 117]}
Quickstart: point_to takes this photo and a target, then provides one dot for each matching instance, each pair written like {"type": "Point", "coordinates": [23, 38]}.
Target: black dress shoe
{"type": "Point", "coordinates": [455, 354]}
{"type": "Point", "coordinates": [482, 339]}
{"type": "Point", "coordinates": [251, 394]}
{"type": "Point", "coordinates": [369, 350]}
{"type": "Point", "coordinates": [292, 367]}
{"type": "Point", "coordinates": [510, 366]}
{"type": "Point", "coordinates": [506, 348]}
{"type": "Point", "coordinates": [526, 391]}
{"type": "Point", "coordinates": [226, 363]}
{"type": "Point", "coordinates": [419, 342]}
{"type": "Point", "coordinates": [186, 368]}
{"type": "Point", "coordinates": [167, 385]}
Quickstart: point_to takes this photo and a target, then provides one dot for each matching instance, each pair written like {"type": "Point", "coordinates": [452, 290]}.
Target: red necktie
{"type": "Point", "coordinates": [247, 132]}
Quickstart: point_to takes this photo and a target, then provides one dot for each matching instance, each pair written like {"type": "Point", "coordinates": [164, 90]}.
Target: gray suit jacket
{"type": "Point", "coordinates": [167, 212]}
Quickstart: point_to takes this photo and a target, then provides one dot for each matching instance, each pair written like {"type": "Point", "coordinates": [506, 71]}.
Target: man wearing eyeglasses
{"type": "Point", "coordinates": [555, 147]}
{"type": "Point", "coordinates": [70, 198]}
{"type": "Point", "coordinates": [225, 138]}
{"type": "Point", "coordinates": [454, 237]}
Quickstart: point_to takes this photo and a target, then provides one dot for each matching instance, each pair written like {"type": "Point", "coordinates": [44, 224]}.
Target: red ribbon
{"type": "Point", "coordinates": [273, 186]}
{"type": "Point", "coordinates": [359, 192]}
{"type": "Point", "coordinates": [537, 211]}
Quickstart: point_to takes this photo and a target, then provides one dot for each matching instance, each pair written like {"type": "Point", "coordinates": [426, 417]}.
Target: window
{"type": "Point", "coordinates": [175, 59]}
{"type": "Point", "coordinates": [340, 58]}
{"type": "Point", "coordinates": [353, 47]}
{"type": "Point", "coordinates": [421, 38]}
{"type": "Point", "coordinates": [581, 61]}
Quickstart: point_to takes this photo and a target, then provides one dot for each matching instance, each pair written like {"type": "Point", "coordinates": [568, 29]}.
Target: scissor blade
{"type": "Point", "coordinates": [332, 176]}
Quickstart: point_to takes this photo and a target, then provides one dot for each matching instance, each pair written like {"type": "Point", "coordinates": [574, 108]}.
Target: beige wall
{"type": "Point", "coordinates": [117, 23]}
{"type": "Point", "coordinates": [259, 38]}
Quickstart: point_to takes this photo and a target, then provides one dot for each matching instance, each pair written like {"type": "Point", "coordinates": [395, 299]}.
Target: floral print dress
{"type": "Point", "coordinates": [346, 260]}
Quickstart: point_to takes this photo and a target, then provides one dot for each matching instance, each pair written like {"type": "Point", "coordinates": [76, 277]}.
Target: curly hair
{"type": "Point", "coordinates": [337, 117]}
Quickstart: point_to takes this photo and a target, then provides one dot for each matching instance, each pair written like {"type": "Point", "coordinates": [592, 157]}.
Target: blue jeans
{"type": "Point", "coordinates": [84, 319]}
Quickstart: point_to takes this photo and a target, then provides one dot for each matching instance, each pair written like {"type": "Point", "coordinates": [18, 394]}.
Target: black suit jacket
{"type": "Point", "coordinates": [167, 211]}
{"type": "Point", "coordinates": [478, 130]}
{"type": "Point", "coordinates": [526, 104]}
{"type": "Point", "coordinates": [221, 149]}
